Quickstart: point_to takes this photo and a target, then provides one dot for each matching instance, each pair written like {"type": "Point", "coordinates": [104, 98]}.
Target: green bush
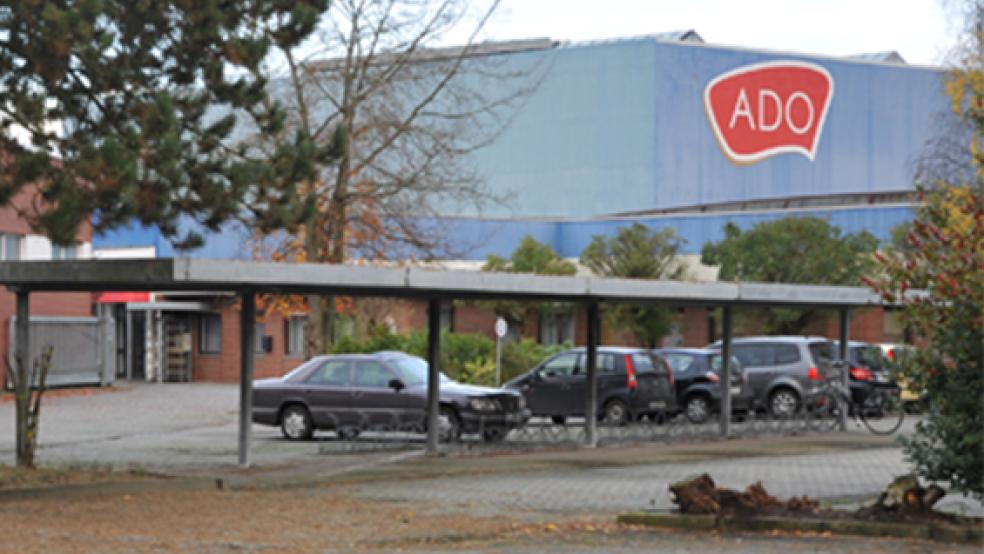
{"type": "Point", "coordinates": [465, 357]}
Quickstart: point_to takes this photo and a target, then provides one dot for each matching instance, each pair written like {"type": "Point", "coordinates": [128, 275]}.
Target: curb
{"type": "Point", "coordinates": [109, 488]}
{"type": "Point", "coordinates": [934, 532]}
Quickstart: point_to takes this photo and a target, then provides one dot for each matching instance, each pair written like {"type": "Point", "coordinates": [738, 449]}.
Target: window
{"type": "Point", "coordinates": [681, 363]}
{"type": "Point", "coordinates": [10, 246]}
{"type": "Point", "coordinates": [69, 252]}
{"type": "Point", "coordinates": [753, 355]}
{"type": "Point", "coordinates": [786, 354]}
{"type": "Point", "coordinates": [210, 334]}
{"type": "Point", "coordinates": [561, 366]}
{"type": "Point", "coordinates": [447, 315]}
{"type": "Point", "coordinates": [557, 328]}
{"type": "Point", "coordinates": [604, 361]}
{"type": "Point", "coordinates": [294, 329]}
{"type": "Point", "coordinates": [259, 336]}
{"type": "Point", "coordinates": [822, 352]}
{"type": "Point", "coordinates": [372, 374]}
{"type": "Point", "coordinates": [332, 372]}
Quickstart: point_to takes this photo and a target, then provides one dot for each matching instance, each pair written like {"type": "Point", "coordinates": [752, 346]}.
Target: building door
{"type": "Point", "coordinates": [177, 348]}
{"type": "Point", "coordinates": [136, 346]}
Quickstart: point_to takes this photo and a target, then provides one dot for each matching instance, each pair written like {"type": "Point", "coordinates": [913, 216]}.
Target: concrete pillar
{"type": "Point", "coordinates": [845, 325]}
{"type": "Point", "coordinates": [247, 330]}
{"type": "Point", "coordinates": [591, 404]}
{"type": "Point", "coordinates": [726, 371]}
{"type": "Point", "coordinates": [433, 373]}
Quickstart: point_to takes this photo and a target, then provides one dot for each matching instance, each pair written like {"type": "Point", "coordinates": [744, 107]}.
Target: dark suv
{"type": "Point", "coordinates": [783, 370]}
{"type": "Point", "coordinates": [385, 391]}
{"type": "Point", "coordinates": [630, 385]}
{"type": "Point", "coordinates": [697, 373]}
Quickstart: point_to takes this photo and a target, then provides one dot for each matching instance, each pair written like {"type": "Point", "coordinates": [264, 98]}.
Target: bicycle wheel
{"type": "Point", "coordinates": [882, 411]}
{"type": "Point", "coordinates": [822, 411]}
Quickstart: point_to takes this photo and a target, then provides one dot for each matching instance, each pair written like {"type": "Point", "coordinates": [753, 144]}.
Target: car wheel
{"type": "Point", "coordinates": [783, 403]}
{"type": "Point", "coordinates": [448, 425]}
{"type": "Point", "coordinates": [558, 419]}
{"type": "Point", "coordinates": [698, 408]}
{"type": "Point", "coordinates": [494, 434]}
{"type": "Point", "coordinates": [616, 413]}
{"type": "Point", "coordinates": [295, 423]}
{"type": "Point", "coordinates": [348, 433]}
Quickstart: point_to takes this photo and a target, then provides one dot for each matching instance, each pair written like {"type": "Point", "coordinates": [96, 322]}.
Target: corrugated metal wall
{"type": "Point", "coordinates": [620, 126]}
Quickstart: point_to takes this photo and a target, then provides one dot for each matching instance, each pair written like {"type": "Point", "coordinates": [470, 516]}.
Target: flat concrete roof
{"type": "Point", "coordinates": [182, 274]}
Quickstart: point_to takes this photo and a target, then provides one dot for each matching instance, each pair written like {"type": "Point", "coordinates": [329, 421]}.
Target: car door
{"type": "Point", "coordinates": [377, 404]}
{"type": "Point", "coordinates": [328, 392]}
{"type": "Point", "coordinates": [756, 358]}
{"type": "Point", "coordinates": [788, 362]}
{"type": "Point", "coordinates": [607, 381]}
{"type": "Point", "coordinates": [548, 392]}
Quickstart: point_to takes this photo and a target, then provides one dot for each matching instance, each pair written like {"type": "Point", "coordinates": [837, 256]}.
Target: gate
{"type": "Point", "coordinates": [83, 352]}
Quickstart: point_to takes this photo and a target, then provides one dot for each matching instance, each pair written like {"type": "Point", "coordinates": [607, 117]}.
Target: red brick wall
{"type": "Point", "coordinates": [224, 366]}
{"type": "Point", "coordinates": [41, 303]}
{"type": "Point", "coordinates": [696, 327]}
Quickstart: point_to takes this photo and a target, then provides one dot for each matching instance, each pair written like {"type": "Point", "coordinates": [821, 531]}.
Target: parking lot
{"type": "Point", "coordinates": [190, 429]}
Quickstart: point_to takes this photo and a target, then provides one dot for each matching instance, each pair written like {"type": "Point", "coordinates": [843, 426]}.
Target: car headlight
{"type": "Point", "coordinates": [521, 402]}
{"type": "Point", "coordinates": [482, 404]}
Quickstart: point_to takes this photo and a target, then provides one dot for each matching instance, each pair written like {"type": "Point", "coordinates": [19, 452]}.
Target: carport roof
{"type": "Point", "coordinates": [221, 275]}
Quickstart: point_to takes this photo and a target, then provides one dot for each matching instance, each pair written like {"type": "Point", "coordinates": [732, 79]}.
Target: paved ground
{"type": "Point", "coordinates": [191, 430]}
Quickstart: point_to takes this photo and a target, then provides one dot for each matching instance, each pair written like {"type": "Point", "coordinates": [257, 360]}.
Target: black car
{"type": "Point", "coordinates": [866, 370]}
{"type": "Point", "coordinates": [385, 391]}
{"type": "Point", "coordinates": [630, 385]}
{"type": "Point", "coordinates": [697, 373]}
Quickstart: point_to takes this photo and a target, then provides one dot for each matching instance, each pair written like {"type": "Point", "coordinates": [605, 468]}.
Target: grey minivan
{"type": "Point", "coordinates": [782, 370]}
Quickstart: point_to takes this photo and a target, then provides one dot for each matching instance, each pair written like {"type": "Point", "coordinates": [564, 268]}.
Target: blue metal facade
{"type": "Point", "coordinates": [619, 127]}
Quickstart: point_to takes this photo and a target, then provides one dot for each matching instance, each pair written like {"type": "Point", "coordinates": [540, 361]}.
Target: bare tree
{"type": "Point", "coordinates": [403, 117]}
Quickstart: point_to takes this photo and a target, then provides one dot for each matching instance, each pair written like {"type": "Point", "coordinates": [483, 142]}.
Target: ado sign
{"type": "Point", "coordinates": [764, 109]}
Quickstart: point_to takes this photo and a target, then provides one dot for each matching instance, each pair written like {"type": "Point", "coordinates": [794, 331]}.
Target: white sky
{"type": "Point", "coordinates": [921, 30]}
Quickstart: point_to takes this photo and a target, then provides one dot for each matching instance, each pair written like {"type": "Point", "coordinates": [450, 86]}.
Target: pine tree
{"type": "Point", "coordinates": [115, 110]}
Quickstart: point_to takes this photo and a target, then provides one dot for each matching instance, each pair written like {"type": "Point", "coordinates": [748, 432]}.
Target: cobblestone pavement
{"type": "Point", "coordinates": [842, 477]}
{"type": "Point", "coordinates": [671, 542]}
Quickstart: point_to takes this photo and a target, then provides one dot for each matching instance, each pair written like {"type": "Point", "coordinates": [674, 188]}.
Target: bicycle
{"type": "Point", "coordinates": [880, 410]}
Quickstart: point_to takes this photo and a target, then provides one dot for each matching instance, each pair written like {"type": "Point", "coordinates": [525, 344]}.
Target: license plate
{"type": "Point", "coordinates": [657, 404]}
{"type": "Point", "coordinates": [734, 391]}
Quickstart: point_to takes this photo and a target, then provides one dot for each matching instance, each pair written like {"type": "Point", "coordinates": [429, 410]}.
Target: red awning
{"type": "Point", "coordinates": [122, 297]}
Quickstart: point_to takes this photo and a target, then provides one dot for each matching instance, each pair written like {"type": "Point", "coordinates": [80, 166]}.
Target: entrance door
{"type": "Point", "coordinates": [137, 346]}
{"type": "Point", "coordinates": [177, 348]}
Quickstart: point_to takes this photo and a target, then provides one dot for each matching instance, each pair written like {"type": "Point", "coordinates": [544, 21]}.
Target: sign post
{"type": "Point", "coordinates": [500, 331]}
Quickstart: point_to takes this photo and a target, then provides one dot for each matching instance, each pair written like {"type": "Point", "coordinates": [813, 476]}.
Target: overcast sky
{"type": "Point", "coordinates": [921, 30]}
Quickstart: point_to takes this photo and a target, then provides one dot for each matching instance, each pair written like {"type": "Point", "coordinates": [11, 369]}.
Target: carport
{"type": "Point", "coordinates": [246, 279]}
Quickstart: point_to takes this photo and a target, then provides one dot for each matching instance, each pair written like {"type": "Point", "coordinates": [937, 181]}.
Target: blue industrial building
{"type": "Point", "coordinates": [618, 131]}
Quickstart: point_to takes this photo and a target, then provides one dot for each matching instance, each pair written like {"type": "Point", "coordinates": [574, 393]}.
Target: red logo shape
{"type": "Point", "coordinates": [765, 109]}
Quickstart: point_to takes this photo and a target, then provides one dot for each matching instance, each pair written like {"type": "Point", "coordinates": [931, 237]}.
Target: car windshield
{"type": "Point", "coordinates": [302, 368]}
{"type": "Point", "coordinates": [413, 370]}
{"type": "Point", "coordinates": [642, 362]}
{"type": "Point", "coordinates": [822, 352]}
{"type": "Point", "coordinates": [681, 363]}
{"type": "Point", "coordinates": [868, 356]}
{"type": "Point", "coordinates": [716, 364]}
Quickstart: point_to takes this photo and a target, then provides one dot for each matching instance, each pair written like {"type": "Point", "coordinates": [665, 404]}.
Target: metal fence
{"type": "Point", "coordinates": [543, 433]}
{"type": "Point", "coordinates": [83, 348]}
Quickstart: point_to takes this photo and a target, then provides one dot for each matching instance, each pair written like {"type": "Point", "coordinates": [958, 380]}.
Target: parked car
{"type": "Point", "coordinates": [866, 369]}
{"type": "Point", "coordinates": [913, 400]}
{"type": "Point", "coordinates": [782, 370]}
{"type": "Point", "coordinates": [381, 391]}
{"type": "Point", "coordinates": [630, 385]}
{"type": "Point", "coordinates": [697, 373]}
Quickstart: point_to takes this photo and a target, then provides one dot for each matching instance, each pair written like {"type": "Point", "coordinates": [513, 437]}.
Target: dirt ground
{"type": "Point", "coordinates": [314, 520]}
{"type": "Point", "coordinates": [330, 519]}
{"type": "Point", "coordinates": [16, 478]}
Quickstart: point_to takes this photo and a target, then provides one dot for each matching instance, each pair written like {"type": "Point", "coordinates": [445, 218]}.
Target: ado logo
{"type": "Point", "coordinates": [770, 108]}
